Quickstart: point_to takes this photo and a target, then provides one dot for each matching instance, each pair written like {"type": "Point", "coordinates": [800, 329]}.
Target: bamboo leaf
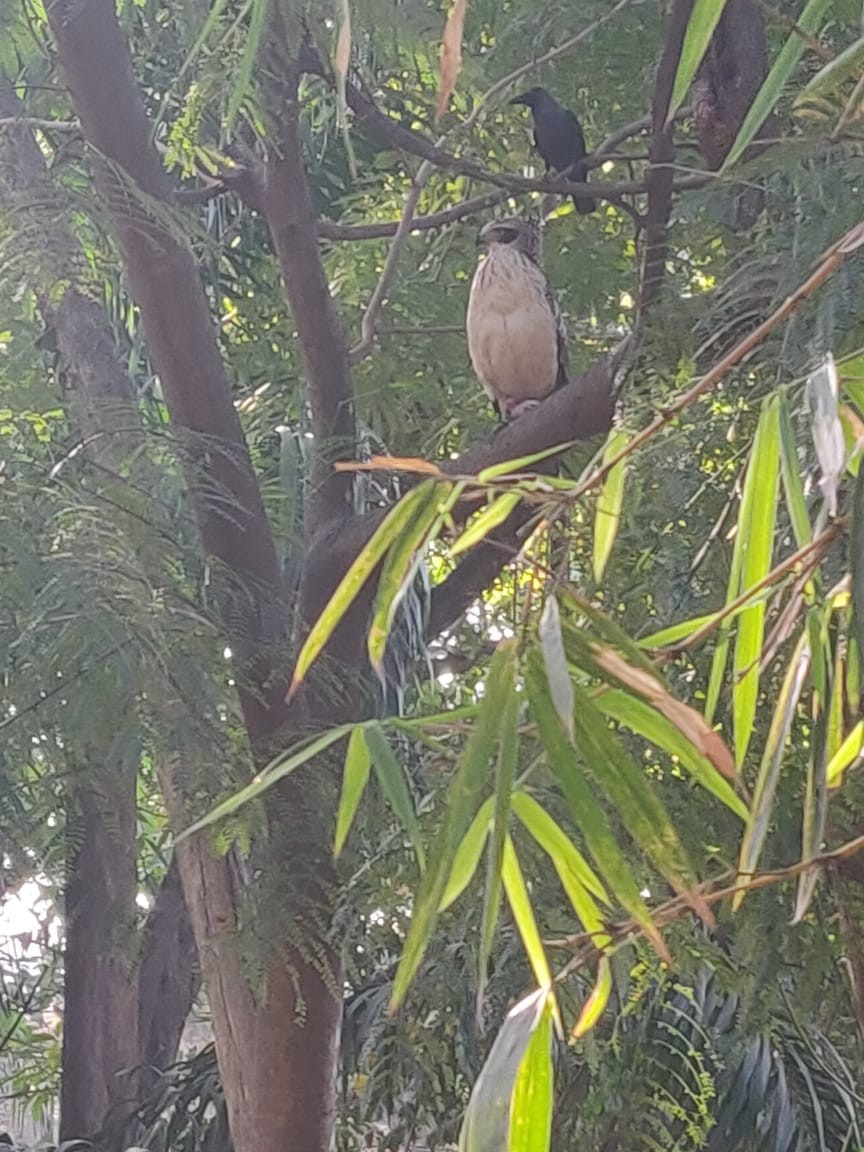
{"type": "Point", "coordinates": [555, 660]}
{"type": "Point", "coordinates": [791, 472]}
{"type": "Point", "coordinates": [451, 55]}
{"type": "Point", "coordinates": [523, 915]}
{"type": "Point", "coordinates": [636, 803]}
{"type": "Point", "coordinates": [520, 463]}
{"type": "Point", "coordinates": [355, 579]}
{"type": "Point", "coordinates": [675, 632]}
{"type": "Point", "coordinates": [586, 811]}
{"type": "Point", "coordinates": [823, 389]}
{"type": "Point", "coordinates": [641, 718]}
{"type": "Point", "coordinates": [495, 513]}
{"type": "Point", "coordinates": [400, 566]}
{"type": "Point", "coordinates": [468, 856]}
{"type": "Point", "coordinates": [531, 1106]}
{"type": "Point", "coordinates": [257, 20]}
{"type": "Point", "coordinates": [610, 499]}
{"type": "Point", "coordinates": [570, 865]}
{"type": "Point", "coordinates": [394, 785]}
{"type": "Point", "coordinates": [847, 754]}
{"type": "Point", "coordinates": [834, 74]}
{"type": "Point", "coordinates": [856, 562]}
{"type": "Point", "coordinates": [463, 800]}
{"type": "Point", "coordinates": [554, 840]}
{"type": "Point", "coordinates": [486, 1125]}
{"type": "Point", "coordinates": [508, 754]}
{"type": "Point", "coordinates": [355, 776]}
{"type": "Point", "coordinates": [762, 805]}
{"type": "Point", "coordinates": [278, 768]}
{"type": "Point", "coordinates": [756, 533]}
{"type": "Point", "coordinates": [700, 28]}
{"type": "Point", "coordinates": [810, 20]}
{"type": "Point", "coordinates": [595, 1005]}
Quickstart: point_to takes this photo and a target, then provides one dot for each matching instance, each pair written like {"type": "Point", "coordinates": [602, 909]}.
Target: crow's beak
{"type": "Point", "coordinates": [518, 100]}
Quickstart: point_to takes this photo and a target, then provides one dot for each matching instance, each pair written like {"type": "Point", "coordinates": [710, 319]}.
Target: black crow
{"type": "Point", "coordinates": [559, 139]}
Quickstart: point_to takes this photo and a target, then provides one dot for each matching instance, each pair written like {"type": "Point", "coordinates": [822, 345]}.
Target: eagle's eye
{"type": "Point", "coordinates": [507, 235]}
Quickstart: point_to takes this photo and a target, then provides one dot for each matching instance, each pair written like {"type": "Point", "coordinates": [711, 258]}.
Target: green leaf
{"type": "Point", "coordinates": [587, 813]}
{"type": "Point", "coordinates": [400, 566]}
{"type": "Point", "coordinates": [595, 1005]}
{"type": "Point", "coordinates": [848, 752]}
{"type": "Point", "coordinates": [355, 776]}
{"type": "Point", "coordinates": [391, 777]}
{"type": "Point", "coordinates": [554, 840]}
{"type": "Point", "coordinates": [856, 562]}
{"type": "Point", "coordinates": [355, 578]}
{"type": "Point", "coordinates": [610, 499]}
{"type": "Point", "coordinates": [810, 20]}
{"type": "Point", "coordinates": [484, 522]}
{"type": "Point", "coordinates": [636, 803]}
{"type": "Point", "coordinates": [641, 718]}
{"type": "Point", "coordinates": [278, 768]}
{"type": "Point", "coordinates": [555, 660]}
{"type": "Point", "coordinates": [508, 755]}
{"type": "Point", "coordinates": [835, 73]}
{"type": "Point", "coordinates": [251, 44]}
{"type": "Point", "coordinates": [756, 534]}
{"type": "Point", "coordinates": [511, 467]}
{"type": "Point", "coordinates": [468, 856]}
{"type": "Point", "coordinates": [762, 805]}
{"type": "Point", "coordinates": [676, 632]}
{"type": "Point", "coordinates": [791, 472]}
{"type": "Point", "coordinates": [486, 1125]}
{"type": "Point", "coordinates": [569, 863]}
{"type": "Point", "coordinates": [700, 28]}
{"type": "Point", "coordinates": [580, 640]}
{"type": "Point", "coordinates": [463, 800]}
{"type": "Point", "coordinates": [523, 915]}
{"type": "Point", "coordinates": [531, 1106]}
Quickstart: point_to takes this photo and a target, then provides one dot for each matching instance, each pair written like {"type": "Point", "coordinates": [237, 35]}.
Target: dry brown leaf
{"type": "Point", "coordinates": [687, 720]}
{"type": "Point", "coordinates": [451, 55]}
{"type": "Point", "coordinates": [342, 56]}
{"type": "Point", "coordinates": [389, 464]}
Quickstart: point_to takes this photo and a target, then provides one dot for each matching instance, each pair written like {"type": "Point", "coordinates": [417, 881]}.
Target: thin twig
{"type": "Point", "coordinates": [817, 46]}
{"type": "Point", "coordinates": [38, 124]}
{"type": "Point", "coordinates": [828, 265]}
{"type": "Point", "coordinates": [383, 230]}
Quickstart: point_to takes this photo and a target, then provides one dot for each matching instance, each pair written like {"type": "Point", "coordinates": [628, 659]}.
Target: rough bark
{"type": "Point", "coordinates": [104, 1015]}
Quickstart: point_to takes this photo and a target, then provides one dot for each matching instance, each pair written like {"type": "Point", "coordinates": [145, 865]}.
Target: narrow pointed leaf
{"type": "Point", "coordinates": [484, 522]}
{"type": "Point", "coordinates": [451, 55]}
{"type": "Point", "coordinates": [519, 464]}
{"type": "Point", "coordinates": [251, 43]}
{"type": "Point", "coordinates": [637, 804]}
{"type": "Point", "coordinates": [810, 20]}
{"type": "Point", "coordinates": [700, 28]}
{"type": "Point", "coordinates": [394, 785]}
{"type": "Point", "coordinates": [585, 809]}
{"type": "Point", "coordinates": [555, 659]}
{"type": "Point", "coordinates": [641, 718]}
{"type": "Point", "coordinates": [554, 840]}
{"type": "Point", "coordinates": [762, 805]}
{"type": "Point", "coordinates": [468, 856]}
{"type": "Point", "coordinates": [675, 632]}
{"type": "Point", "coordinates": [355, 578]}
{"type": "Point", "coordinates": [756, 532]}
{"type": "Point", "coordinates": [278, 768]}
{"type": "Point", "coordinates": [595, 1005]}
{"type": "Point", "coordinates": [523, 915]}
{"type": "Point", "coordinates": [846, 755]}
{"type": "Point", "coordinates": [835, 73]}
{"type": "Point", "coordinates": [856, 563]}
{"type": "Point", "coordinates": [791, 472]}
{"type": "Point", "coordinates": [610, 499]}
{"type": "Point", "coordinates": [355, 776]}
{"type": "Point", "coordinates": [486, 1125]}
{"type": "Point", "coordinates": [508, 754]}
{"type": "Point", "coordinates": [463, 800]}
{"type": "Point", "coordinates": [531, 1106]}
{"type": "Point", "coordinates": [823, 390]}
{"type": "Point", "coordinates": [400, 566]}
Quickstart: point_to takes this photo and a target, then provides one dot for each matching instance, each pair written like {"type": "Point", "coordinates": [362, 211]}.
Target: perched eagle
{"type": "Point", "coordinates": [516, 335]}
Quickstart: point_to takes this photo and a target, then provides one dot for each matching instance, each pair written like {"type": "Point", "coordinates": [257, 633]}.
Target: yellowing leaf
{"type": "Point", "coordinates": [848, 752]}
{"type": "Point", "coordinates": [451, 55]}
{"type": "Point", "coordinates": [593, 1007]}
{"type": "Point", "coordinates": [608, 514]}
{"type": "Point", "coordinates": [531, 1105]}
{"type": "Point", "coordinates": [523, 915]}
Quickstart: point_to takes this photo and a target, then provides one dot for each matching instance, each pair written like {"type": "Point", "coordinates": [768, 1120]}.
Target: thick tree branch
{"type": "Point", "coordinates": [288, 209]}
{"type": "Point", "coordinates": [182, 342]}
{"type": "Point", "coordinates": [659, 178]}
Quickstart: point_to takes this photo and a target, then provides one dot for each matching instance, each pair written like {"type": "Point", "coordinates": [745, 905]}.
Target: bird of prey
{"type": "Point", "coordinates": [516, 335]}
{"type": "Point", "coordinates": [559, 139]}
